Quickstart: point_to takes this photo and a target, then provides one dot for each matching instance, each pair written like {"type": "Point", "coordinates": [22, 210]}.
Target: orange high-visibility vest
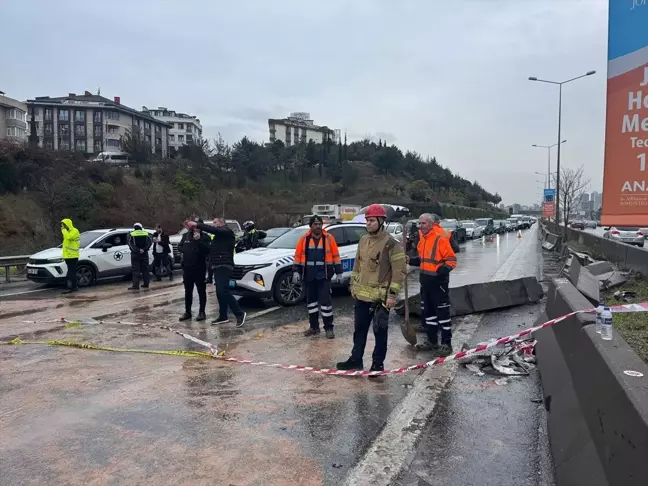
{"type": "Point", "coordinates": [331, 252]}
{"type": "Point", "coordinates": [434, 250]}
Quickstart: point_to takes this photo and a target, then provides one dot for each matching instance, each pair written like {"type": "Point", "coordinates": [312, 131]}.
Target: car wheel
{"type": "Point", "coordinates": [85, 275]}
{"type": "Point", "coordinates": [286, 292]}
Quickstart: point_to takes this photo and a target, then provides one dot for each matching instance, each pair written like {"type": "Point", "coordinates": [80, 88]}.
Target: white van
{"type": "Point", "coordinates": [118, 159]}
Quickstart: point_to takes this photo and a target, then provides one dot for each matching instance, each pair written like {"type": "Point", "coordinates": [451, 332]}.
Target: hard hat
{"type": "Point", "coordinates": [248, 225]}
{"type": "Point", "coordinates": [376, 211]}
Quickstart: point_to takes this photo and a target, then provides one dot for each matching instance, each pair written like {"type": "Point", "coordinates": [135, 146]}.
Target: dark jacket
{"type": "Point", "coordinates": [165, 243]}
{"type": "Point", "coordinates": [221, 248]}
{"type": "Point", "coordinates": [194, 252]}
{"type": "Point", "coordinates": [251, 239]}
{"type": "Point", "coordinates": [139, 240]}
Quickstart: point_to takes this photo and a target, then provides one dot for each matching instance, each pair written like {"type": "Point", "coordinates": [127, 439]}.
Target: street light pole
{"type": "Point", "coordinates": [548, 147]}
{"type": "Point", "coordinates": [559, 83]}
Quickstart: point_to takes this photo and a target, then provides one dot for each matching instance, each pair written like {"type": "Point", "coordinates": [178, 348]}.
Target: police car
{"type": "Point", "coordinates": [267, 272]}
{"type": "Point", "coordinates": [103, 253]}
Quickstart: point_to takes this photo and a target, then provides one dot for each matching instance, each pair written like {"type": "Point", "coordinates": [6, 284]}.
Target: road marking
{"type": "Point", "coordinates": [23, 292]}
{"type": "Point", "coordinates": [263, 312]}
{"type": "Point", "coordinates": [395, 446]}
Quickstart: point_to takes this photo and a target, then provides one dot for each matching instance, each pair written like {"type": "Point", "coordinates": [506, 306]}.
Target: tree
{"type": "Point", "coordinates": [419, 191]}
{"type": "Point", "coordinates": [135, 145]}
{"type": "Point", "coordinates": [573, 184]}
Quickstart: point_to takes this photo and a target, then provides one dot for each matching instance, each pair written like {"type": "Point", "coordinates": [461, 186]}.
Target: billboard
{"type": "Point", "coordinates": [625, 179]}
{"type": "Point", "coordinates": [548, 209]}
{"type": "Point", "coordinates": [549, 196]}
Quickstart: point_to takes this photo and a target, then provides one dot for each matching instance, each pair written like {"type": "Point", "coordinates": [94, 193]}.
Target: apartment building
{"type": "Point", "coordinates": [92, 124]}
{"type": "Point", "coordinates": [184, 128]}
{"type": "Point", "coordinates": [299, 127]}
{"type": "Point", "coordinates": [13, 119]}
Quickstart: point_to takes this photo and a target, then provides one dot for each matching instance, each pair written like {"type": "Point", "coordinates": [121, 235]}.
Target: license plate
{"type": "Point", "coordinates": [32, 271]}
{"type": "Point", "coordinates": [232, 284]}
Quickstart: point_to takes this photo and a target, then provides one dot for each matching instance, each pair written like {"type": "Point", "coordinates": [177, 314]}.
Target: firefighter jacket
{"type": "Point", "coordinates": [70, 239]}
{"type": "Point", "coordinates": [379, 268]}
{"type": "Point", "coordinates": [317, 258]}
{"type": "Point", "coordinates": [139, 240]}
{"type": "Point", "coordinates": [435, 255]}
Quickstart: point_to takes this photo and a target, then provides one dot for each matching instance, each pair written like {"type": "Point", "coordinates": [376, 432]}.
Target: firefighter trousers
{"type": "Point", "coordinates": [318, 301]}
{"type": "Point", "coordinates": [435, 310]}
{"type": "Point", "coordinates": [366, 314]}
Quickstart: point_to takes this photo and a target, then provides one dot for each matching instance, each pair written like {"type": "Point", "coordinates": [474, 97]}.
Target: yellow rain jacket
{"type": "Point", "coordinates": [70, 239]}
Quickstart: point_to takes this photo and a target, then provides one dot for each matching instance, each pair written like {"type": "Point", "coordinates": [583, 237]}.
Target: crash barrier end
{"type": "Point", "coordinates": [586, 283]}
{"type": "Point", "coordinates": [597, 412]}
{"type": "Point", "coordinates": [483, 297]}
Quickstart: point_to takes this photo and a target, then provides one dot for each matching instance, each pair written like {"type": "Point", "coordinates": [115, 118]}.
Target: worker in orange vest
{"type": "Point", "coordinates": [437, 259]}
{"type": "Point", "coordinates": [317, 262]}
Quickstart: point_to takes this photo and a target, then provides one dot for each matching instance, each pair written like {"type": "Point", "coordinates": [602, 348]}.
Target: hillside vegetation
{"type": "Point", "coordinates": [270, 184]}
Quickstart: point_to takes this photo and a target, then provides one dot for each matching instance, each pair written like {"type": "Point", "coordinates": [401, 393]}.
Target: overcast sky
{"type": "Point", "coordinates": [444, 78]}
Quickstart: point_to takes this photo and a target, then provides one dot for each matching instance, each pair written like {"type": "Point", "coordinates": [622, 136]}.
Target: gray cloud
{"type": "Point", "coordinates": [446, 79]}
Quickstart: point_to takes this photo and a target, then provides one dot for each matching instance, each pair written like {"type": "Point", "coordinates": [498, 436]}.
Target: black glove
{"type": "Point", "coordinates": [443, 271]}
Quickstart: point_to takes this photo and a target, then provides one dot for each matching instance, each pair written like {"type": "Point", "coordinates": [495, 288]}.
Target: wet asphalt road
{"type": "Point", "coordinates": [73, 416]}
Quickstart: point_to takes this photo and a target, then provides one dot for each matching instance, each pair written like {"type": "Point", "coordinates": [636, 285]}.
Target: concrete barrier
{"type": "Point", "coordinates": [626, 257]}
{"type": "Point", "coordinates": [487, 296]}
{"type": "Point", "coordinates": [585, 282]}
{"type": "Point", "coordinates": [597, 415]}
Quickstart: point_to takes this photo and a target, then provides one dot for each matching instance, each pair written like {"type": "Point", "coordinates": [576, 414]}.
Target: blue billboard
{"type": "Point", "coordinates": [549, 195]}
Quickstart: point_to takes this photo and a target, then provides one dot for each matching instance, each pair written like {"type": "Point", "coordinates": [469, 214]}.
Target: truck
{"type": "Point", "coordinates": [333, 213]}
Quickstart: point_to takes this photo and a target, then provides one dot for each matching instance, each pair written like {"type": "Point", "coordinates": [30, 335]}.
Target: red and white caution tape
{"type": "Point", "coordinates": [643, 307]}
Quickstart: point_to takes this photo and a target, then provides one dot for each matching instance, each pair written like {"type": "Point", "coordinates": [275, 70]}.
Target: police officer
{"type": "Point", "coordinates": [250, 237]}
{"type": "Point", "coordinates": [194, 247]}
{"type": "Point", "coordinates": [376, 280]}
{"type": "Point", "coordinates": [317, 262]}
{"type": "Point", "coordinates": [437, 259]}
{"type": "Point", "coordinates": [139, 242]}
{"type": "Point", "coordinates": [70, 254]}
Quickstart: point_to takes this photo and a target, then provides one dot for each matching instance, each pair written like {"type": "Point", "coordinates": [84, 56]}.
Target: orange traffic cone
{"type": "Point", "coordinates": [519, 235]}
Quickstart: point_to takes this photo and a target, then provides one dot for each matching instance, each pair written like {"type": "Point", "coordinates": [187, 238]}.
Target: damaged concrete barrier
{"type": "Point", "coordinates": [597, 413]}
{"type": "Point", "coordinates": [607, 275]}
{"type": "Point", "coordinates": [585, 282]}
{"type": "Point", "coordinates": [486, 296]}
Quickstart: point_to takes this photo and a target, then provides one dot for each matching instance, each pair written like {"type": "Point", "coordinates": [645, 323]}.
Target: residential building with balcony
{"type": "Point", "coordinates": [299, 127]}
{"type": "Point", "coordinates": [13, 119]}
{"type": "Point", "coordinates": [93, 124]}
{"type": "Point", "coordinates": [184, 128]}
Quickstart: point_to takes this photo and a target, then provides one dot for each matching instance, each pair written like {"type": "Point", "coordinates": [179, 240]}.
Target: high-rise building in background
{"type": "Point", "coordinates": [13, 119]}
{"type": "Point", "coordinates": [184, 128]}
{"type": "Point", "coordinates": [92, 124]}
{"type": "Point", "coordinates": [299, 127]}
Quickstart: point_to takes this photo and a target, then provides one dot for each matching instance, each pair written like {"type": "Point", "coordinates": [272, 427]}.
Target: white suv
{"type": "Point", "coordinates": [267, 272]}
{"type": "Point", "coordinates": [103, 253]}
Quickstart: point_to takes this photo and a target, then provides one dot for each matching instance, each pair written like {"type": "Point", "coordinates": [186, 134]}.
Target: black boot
{"type": "Point", "coordinates": [201, 316]}
{"type": "Point", "coordinates": [185, 317]}
{"type": "Point", "coordinates": [349, 364]}
{"type": "Point", "coordinates": [376, 367]}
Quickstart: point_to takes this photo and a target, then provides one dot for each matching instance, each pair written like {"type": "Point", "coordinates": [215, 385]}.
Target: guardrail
{"type": "Point", "coordinates": [12, 261]}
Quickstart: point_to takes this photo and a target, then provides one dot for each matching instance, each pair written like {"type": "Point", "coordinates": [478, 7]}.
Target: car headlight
{"type": "Point", "coordinates": [55, 260]}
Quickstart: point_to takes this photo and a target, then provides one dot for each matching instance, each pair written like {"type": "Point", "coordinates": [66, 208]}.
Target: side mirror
{"type": "Point", "coordinates": [105, 247]}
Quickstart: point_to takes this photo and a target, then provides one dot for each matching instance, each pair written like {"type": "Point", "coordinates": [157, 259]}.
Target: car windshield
{"type": "Point", "coordinates": [288, 240]}
{"type": "Point", "coordinates": [626, 228]}
{"type": "Point", "coordinates": [449, 224]}
{"type": "Point", "coordinates": [275, 232]}
{"type": "Point", "coordinates": [469, 225]}
{"type": "Point", "coordinates": [234, 227]}
{"type": "Point", "coordinates": [481, 222]}
{"type": "Point", "coordinates": [88, 237]}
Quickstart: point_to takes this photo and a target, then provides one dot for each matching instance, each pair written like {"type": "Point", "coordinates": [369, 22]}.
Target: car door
{"type": "Point", "coordinates": [352, 236]}
{"type": "Point", "coordinates": [115, 260]}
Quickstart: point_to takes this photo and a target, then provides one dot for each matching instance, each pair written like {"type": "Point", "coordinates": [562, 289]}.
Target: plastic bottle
{"type": "Point", "coordinates": [606, 324]}
{"type": "Point", "coordinates": [599, 311]}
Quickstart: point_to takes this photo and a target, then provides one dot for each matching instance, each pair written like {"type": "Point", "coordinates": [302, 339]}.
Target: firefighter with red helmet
{"type": "Point", "coordinates": [378, 274]}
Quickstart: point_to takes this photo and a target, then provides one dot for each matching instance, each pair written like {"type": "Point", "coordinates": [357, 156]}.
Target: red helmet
{"type": "Point", "coordinates": [376, 211]}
